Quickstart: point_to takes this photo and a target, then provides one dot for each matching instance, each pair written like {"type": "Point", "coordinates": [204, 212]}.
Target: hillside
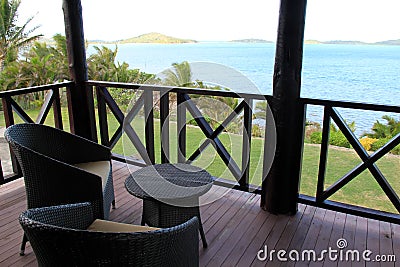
{"type": "Point", "coordinates": [157, 38]}
{"type": "Point", "coordinates": [389, 42]}
{"type": "Point", "coordinates": [312, 42]}
{"type": "Point", "coordinates": [345, 42]}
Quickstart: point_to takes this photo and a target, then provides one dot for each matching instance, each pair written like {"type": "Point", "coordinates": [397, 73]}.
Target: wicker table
{"type": "Point", "coordinates": [170, 193]}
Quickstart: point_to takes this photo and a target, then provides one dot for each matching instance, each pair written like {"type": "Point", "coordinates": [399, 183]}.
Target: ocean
{"type": "Point", "coordinates": [356, 73]}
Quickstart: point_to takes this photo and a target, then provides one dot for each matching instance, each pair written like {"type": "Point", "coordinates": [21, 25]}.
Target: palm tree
{"type": "Point", "coordinates": [382, 130]}
{"type": "Point", "coordinates": [101, 65]}
{"type": "Point", "coordinates": [180, 75]}
{"type": "Point", "coordinates": [12, 36]}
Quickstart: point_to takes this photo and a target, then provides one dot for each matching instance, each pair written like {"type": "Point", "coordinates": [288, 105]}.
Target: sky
{"type": "Point", "coordinates": [219, 20]}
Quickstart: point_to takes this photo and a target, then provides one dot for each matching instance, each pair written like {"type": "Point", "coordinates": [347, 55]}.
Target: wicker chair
{"type": "Point", "coordinates": [59, 236]}
{"type": "Point", "coordinates": [61, 168]}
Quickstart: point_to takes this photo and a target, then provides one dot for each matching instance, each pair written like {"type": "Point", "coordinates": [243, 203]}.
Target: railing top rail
{"type": "Point", "coordinates": [352, 105]}
{"type": "Point", "coordinates": [209, 92]}
{"type": "Point", "coordinates": [34, 89]}
{"type": "Point", "coordinates": [186, 90]}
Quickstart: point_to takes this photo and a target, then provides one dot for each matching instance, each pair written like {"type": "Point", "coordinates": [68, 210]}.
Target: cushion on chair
{"type": "Point", "coordinates": [108, 226]}
{"type": "Point", "coordinates": [100, 168]}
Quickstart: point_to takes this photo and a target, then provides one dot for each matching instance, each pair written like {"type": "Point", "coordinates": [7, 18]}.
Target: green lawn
{"type": "Point", "coordinates": [362, 191]}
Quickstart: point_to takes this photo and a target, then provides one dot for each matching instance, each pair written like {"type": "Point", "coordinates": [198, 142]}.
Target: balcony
{"type": "Point", "coordinates": [239, 232]}
{"type": "Point", "coordinates": [236, 228]}
{"type": "Point", "coordinates": [235, 225]}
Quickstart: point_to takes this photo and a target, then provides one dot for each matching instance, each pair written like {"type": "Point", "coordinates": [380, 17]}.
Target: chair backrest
{"type": "Point", "coordinates": [55, 245]}
{"type": "Point", "coordinates": [44, 154]}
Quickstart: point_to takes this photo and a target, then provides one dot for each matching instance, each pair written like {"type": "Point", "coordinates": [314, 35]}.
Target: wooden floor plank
{"type": "Point", "coordinates": [288, 233]}
{"type": "Point", "coordinates": [236, 227]}
{"type": "Point", "coordinates": [373, 241]}
{"type": "Point", "coordinates": [313, 231]}
{"type": "Point", "coordinates": [336, 234]}
{"type": "Point", "coordinates": [348, 235]}
{"type": "Point", "coordinates": [324, 235]}
{"type": "Point", "coordinates": [231, 234]}
{"type": "Point", "coordinates": [360, 239]}
{"type": "Point", "coordinates": [220, 229]}
{"type": "Point", "coordinates": [248, 235]}
{"type": "Point", "coordinates": [257, 242]}
{"type": "Point", "coordinates": [385, 242]}
{"type": "Point", "coordinates": [396, 243]}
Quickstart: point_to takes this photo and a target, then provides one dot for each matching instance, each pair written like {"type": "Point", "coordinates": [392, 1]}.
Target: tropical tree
{"type": "Point", "coordinates": [179, 75]}
{"type": "Point", "coordinates": [12, 36]}
{"type": "Point", "coordinates": [102, 66]}
{"type": "Point", "coordinates": [385, 131]}
{"type": "Point", "coordinates": [41, 64]}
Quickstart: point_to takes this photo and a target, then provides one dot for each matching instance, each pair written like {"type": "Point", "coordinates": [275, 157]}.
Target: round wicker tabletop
{"type": "Point", "coordinates": [175, 184]}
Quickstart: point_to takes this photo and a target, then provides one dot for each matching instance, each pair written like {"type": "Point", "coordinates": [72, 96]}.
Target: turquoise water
{"type": "Point", "coordinates": [357, 73]}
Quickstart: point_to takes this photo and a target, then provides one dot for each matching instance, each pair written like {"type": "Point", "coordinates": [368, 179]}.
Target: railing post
{"type": "Point", "coordinates": [9, 118]}
{"type": "Point", "coordinates": [149, 124]}
{"type": "Point", "coordinates": [247, 127]}
{"type": "Point", "coordinates": [181, 125]}
{"type": "Point", "coordinates": [80, 96]}
{"type": "Point", "coordinates": [323, 158]}
{"type": "Point", "coordinates": [102, 113]}
{"type": "Point", "coordinates": [57, 109]}
{"type": "Point", "coordinates": [164, 126]}
{"type": "Point", "coordinates": [281, 188]}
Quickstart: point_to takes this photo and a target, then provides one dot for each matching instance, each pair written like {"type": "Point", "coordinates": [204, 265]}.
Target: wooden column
{"type": "Point", "coordinates": [80, 97]}
{"type": "Point", "coordinates": [281, 188]}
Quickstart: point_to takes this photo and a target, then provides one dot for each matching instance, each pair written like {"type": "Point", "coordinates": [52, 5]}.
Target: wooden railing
{"type": "Point", "coordinates": [330, 114]}
{"type": "Point", "coordinates": [240, 171]}
{"type": "Point", "coordinates": [11, 107]}
{"type": "Point", "coordinates": [185, 105]}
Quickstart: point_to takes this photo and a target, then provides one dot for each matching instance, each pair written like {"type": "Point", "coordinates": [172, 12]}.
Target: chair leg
{"type": "Point", "coordinates": [23, 244]}
{"type": "Point", "coordinates": [113, 204]}
{"type": "Point", "coordinates": [203, 236]}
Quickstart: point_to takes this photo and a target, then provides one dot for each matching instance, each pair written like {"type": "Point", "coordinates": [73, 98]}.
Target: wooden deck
{"type": "Point", "coordinates": [236, 229]}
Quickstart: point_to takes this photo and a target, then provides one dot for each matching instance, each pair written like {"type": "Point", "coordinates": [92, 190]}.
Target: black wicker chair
{"type": "Point", "coordinates": [61, 168]}
{"type": "Point", "coordinates": [59, 237]}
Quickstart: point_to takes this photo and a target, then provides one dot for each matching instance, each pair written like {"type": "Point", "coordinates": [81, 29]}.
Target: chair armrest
{"type": "Point", "coordinates": [54, 183]}
{"type": "Point", "coordinates": [75, 216]}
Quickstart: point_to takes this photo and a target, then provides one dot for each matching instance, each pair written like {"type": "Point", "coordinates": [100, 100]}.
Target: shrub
{"type": "Point", "coordinates": [208, 120]}
{"type": "Point", "coordinates": [256, 131]}
{"type": "Point", "coordinates": [316, 138]}
{"type": "Point", "coordinates": [367, 142]}
{"type": "Point", "coordinates": [335, 139]}
{"type": "Point", "coordinates": [379, 143]}
{"type": "Point", "coordinates": [311, 127]}
{"type": "Point", "coordinates": [338, 139]}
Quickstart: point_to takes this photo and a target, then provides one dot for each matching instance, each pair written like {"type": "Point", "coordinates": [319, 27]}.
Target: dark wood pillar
{"type": "Point", "coordinates": [80, 97]}
{"type": "Point", "coordinates": [281, 188]}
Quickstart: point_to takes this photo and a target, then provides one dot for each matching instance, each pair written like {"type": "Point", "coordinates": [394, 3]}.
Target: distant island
{"type": "Point", "coordinates": [156, 38]}
{"type": "Point", "coordinates": [388, 42]}
{"type": "Point", "coordinates": [251, 40]}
